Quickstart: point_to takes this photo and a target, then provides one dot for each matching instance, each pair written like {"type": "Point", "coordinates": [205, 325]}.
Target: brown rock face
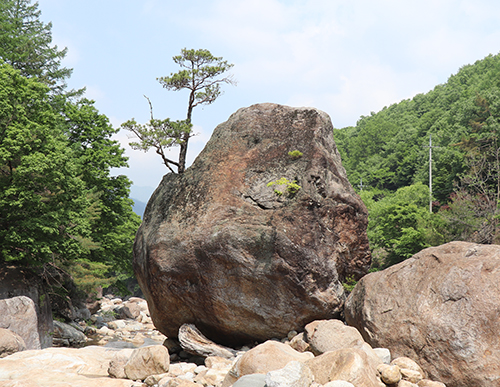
{"type": "Point", "coordinates": [440, 308]}
{"type": "Point", "coordinates": [220, 249]}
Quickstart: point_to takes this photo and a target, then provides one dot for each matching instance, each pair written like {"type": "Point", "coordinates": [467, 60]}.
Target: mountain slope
{"type": "Point", "coordinates": [388, 150]}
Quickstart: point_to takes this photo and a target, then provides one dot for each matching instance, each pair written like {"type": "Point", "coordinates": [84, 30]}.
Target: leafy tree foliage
{"type": "Point", "coordinates": [26, 44]}
{"type": "Point", "coordinates": [387, 150]}
{"type": "Point", "coordinates": [397, 222]}
{"type": "Point", "coordinates": [58, 203]}
{"type": "Point", "coordinates": [200, 74]}
{"type": "Point", "coordinates": [43, 210]}
{"type": "Point", "coordinates": [113, 223]}
{"type": "Point", "coordinates": [159, 135]}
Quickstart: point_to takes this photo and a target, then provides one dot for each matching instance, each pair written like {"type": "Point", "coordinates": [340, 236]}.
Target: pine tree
{"type": "Point", "coordinates": [26, 44]}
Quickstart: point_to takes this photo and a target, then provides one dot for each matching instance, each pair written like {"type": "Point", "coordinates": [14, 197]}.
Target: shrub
{"type": "Point", "coordinates": [295, 154]}
{"type": "Point", "coordinates": [291, 186]}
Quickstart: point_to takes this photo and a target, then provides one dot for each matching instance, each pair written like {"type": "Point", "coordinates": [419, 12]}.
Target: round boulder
{"type": "Point", "coordinates": [441, 308]}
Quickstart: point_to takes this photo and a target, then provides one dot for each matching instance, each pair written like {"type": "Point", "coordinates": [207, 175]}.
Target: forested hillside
{"type": "Point", "coordinates": [61, 210]}
{"type": "Point", "coordinates": [388, 152]}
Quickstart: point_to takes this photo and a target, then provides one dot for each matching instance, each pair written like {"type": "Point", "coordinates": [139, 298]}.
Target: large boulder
{"type": "Point", "coordinates": [265, 357]}
{"type": "Point", "coordinates": [440, 308]}
{"type": "Point", "coordinates": [22, 281]}
{"type": "Point", "coordinates": [242, 260]}
{"type": "Point", "coordinates": [18, 314]}
{"type": "Point", "coordinates": [349, 364]}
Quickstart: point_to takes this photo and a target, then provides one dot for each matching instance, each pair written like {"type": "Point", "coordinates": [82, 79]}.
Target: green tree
{"type": "Point", "coordinates": [399, 223]}
{"type": "Point", "coordinates": [113, 224]}
{"type": "Point", "coordinates": [480, 184]}
{"type": "Point", "coordinates": [59, 204]}
{"type": "Point", "coordinates": [26, 44]}
{"type": "Point", "coordinates": [160, 135]}
{"type": "Point", "coordinates": [200, 74]}
{"type": "Point", "coordinates": [43, 206]}
{"type": "Point", "coordinates": [386, 149]}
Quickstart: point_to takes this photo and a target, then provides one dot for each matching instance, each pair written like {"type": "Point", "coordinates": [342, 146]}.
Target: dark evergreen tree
{"type": "Point", "coordinates": [26, 44]}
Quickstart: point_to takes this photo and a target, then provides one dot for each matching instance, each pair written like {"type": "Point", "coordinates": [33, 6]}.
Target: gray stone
{"type": "Point", "coordinates": [18, 315]}
{"type": "Point", "coordinates": [66, 335]}
{"type": "Point", "coordinates": [294, 374]}
{"type": "Point", "coordinates": [251, 380]}
{"type": "Point", "coordinates": [193, 341]}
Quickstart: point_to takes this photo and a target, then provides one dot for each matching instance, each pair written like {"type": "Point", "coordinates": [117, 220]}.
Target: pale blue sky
{"type": "Point", "coordinates": [346, 57]}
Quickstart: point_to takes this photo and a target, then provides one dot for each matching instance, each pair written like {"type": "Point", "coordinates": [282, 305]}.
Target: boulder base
{"type": "Point", "coordinates": [242, 260]}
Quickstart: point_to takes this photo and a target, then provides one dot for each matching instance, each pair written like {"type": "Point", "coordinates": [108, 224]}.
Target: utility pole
{"type": "Point", "coordinates": [360, 185]}
{"type": "Point", "coordinates": [430, 171]}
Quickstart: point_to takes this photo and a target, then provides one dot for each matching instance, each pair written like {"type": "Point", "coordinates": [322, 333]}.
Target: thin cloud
{"type": "Point", "coordinates": [347, 58]}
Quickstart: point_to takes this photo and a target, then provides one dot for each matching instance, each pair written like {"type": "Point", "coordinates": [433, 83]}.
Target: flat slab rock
{"type": "Point", "coordinates": [60, 367]}
{"type": "Point", "coordinates": [220, 249]}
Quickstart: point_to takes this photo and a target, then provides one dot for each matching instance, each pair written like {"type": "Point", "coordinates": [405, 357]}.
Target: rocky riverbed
{"type": "Point", "coordinates": [119, 346]}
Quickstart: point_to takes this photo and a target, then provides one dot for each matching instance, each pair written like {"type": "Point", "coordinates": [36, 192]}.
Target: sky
{"type": "Point", "coordinates": [346, 57]}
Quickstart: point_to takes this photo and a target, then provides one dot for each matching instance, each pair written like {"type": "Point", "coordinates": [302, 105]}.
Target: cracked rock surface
{"type": "Point", "coordinates": [221, 249]}
{"type": "Point", "coordinates": [440, 308]}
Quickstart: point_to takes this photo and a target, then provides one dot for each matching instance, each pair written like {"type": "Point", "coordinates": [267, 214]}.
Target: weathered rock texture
{"type": "Point", "coordinates": [350, 364]}
{"type": "Point", "coordinates": [10, 342]}
{"type": "Point", "coordinates": [441, 308]}
{"type": "Point", "coordinates": [220, 249]}
{"type": "Point", "coordinates": [61, 367]}
{"type": "Point", "coordinates": [66, 335]}
{"type": "Point", "coordinates": [193, 341]}
{"type": "Point", "coordinates": [330, 335]}
{"type": "Point", "coordinates": [19, 281]}
{"type": "Point", "coordinates": [265, 357]}
{"type": "Point", "coordinates": [18, 314]}
{"type": "Point", "coordinates": [145, 361]}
